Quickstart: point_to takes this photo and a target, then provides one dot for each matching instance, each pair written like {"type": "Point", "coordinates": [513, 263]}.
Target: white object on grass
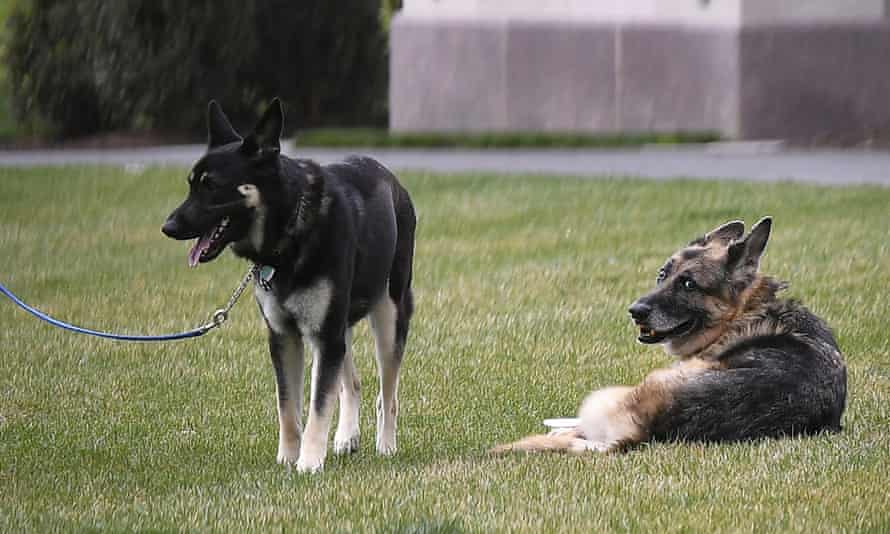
{"type": "Point", "coordinates": [562, 422]}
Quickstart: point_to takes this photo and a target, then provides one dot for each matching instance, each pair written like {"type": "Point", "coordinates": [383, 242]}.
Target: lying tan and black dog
{"type": "Point", "coordinates": [750, 364]}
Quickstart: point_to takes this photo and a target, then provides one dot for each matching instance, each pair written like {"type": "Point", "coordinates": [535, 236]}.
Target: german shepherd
{"type": "Point", "coordinates": [750, 365]}
{"type": "Point", "coordinates": [332, 244]}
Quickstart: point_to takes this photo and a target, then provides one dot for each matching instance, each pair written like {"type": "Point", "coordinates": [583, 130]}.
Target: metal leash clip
{"type": "Point", "coordinates": [222, 315]}
{"type": "Point", "coordinates": [219, 317]}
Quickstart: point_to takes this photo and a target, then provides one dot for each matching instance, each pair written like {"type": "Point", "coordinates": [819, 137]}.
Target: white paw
{"type": "Point", "coordinates": [386, 446]}
{"type": "Point", "coordinates": [310, 465]}
{"type": "Point", "coordinates": [386, 429]}
{"type": "Point", "coordinates": [582, 445]}
{"type": "Point", "coordinates": [288, 455]}
{"type": "Point", "coordinates": [346, 444]}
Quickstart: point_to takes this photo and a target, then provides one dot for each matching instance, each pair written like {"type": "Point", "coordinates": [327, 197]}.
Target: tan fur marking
{"type": "Point", "coordinates": [251, 195]}
{"type": "Point", "coordinates": [745, 321]}
{"type": "Point", "coordinates": [656, 392]}
{"type": "Point", "coordinates": [716, 252]}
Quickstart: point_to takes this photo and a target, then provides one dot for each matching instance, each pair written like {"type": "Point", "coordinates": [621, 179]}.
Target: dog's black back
{"type": "Point", "coordinates": [385, 222]}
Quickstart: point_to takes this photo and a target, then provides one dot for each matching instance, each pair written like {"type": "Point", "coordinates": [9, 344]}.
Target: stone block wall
{"type": "Point", "coordinates": [804, 79]}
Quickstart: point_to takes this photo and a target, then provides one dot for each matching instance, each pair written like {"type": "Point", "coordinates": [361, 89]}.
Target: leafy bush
{"type": "Point", "coordinates": [47, 63]}
{"type": "Point", "coordinates": [327, 58]}
{"type": "Point", "coordinates": [87, 66]}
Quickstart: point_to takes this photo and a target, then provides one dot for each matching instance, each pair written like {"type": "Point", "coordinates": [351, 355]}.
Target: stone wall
{"type": "Point", "coordinates": [760, 74]}
{"type": "Point", "coordinates": [720, 12]}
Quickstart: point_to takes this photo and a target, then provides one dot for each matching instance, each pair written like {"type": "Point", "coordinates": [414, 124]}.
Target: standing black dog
{"type": "Point", "coordinates": [333, 244]}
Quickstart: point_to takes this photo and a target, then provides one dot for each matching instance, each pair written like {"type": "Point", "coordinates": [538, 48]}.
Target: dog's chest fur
{"type": "Point", "coordinates": [306, 307]}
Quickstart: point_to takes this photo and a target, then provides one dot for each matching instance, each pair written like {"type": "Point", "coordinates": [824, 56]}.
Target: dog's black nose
{"type": "Point", "coordinates": [640, 311]}
{"type": "Point", "coordinates": [170, 228]}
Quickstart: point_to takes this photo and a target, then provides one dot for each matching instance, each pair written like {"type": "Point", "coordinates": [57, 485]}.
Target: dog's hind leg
{"type": "Point", "coordinates": [346, 439]}
{"type": "Point", "coordinates": [609, 421]}
{"type": "Point", "coordinates": [383, 318]}
{"type": "Point", "coordinates": [390, 317]}
{"type": "Point", "coordinates": [287, 359]}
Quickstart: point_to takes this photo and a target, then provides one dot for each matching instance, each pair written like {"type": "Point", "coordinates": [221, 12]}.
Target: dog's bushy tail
{"type": "Point", "coordinates": [569, 442]}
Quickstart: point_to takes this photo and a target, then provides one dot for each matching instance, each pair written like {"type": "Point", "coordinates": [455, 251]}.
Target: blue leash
{"type": "Point", "coordinates": [216, 319]}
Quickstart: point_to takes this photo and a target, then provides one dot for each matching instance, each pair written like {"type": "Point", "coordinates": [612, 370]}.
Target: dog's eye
{"type": "Point", "coordinates": [662, 274]}
{"type": "Point", "coordinates": [689, 284]}
{"type": "Point", "coordinates": [207, 181]}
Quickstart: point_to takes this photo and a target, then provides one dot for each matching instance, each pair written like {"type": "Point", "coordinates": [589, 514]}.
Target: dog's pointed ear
{"type": "Point", "coordinates": [726, 233]}
{"type": "Point", "coordinates": [219, 129]}
{"type": "Point", "coordinates": [266, 137]}
{"type": "Point", "coordinates": [744, 256]}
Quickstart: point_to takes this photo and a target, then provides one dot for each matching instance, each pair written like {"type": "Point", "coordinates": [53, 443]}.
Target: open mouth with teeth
{"type": "Point", "coordinates": [209, 245]}
{"type": "Point", "coordinates": [650, 335]}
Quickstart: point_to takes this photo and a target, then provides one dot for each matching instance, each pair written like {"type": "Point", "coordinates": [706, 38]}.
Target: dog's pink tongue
{"type": "Point", "coordinates": [201, 244]}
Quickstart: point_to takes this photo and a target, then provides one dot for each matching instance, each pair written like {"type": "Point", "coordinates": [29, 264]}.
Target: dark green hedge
{"type": "Point", "coordinates": [87, 66]}
{"type": "Point", "coordinates": [381, 138]}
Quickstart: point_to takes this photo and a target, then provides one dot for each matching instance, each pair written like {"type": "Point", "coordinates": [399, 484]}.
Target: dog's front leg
{"type": "Point", "coordinates": [287, 359]}
{"type": "Point", "coordinates": [326, 366]}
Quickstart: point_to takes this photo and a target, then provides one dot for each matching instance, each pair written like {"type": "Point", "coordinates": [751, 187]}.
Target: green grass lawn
{"type": "Point", "coordinates": [522, 285]}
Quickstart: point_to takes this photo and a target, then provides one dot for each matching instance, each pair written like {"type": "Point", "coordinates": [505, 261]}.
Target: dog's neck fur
{"type": "Point", "coordinates": [747, 319]}
{"type": "Point", "coordinates": [285, 214]}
